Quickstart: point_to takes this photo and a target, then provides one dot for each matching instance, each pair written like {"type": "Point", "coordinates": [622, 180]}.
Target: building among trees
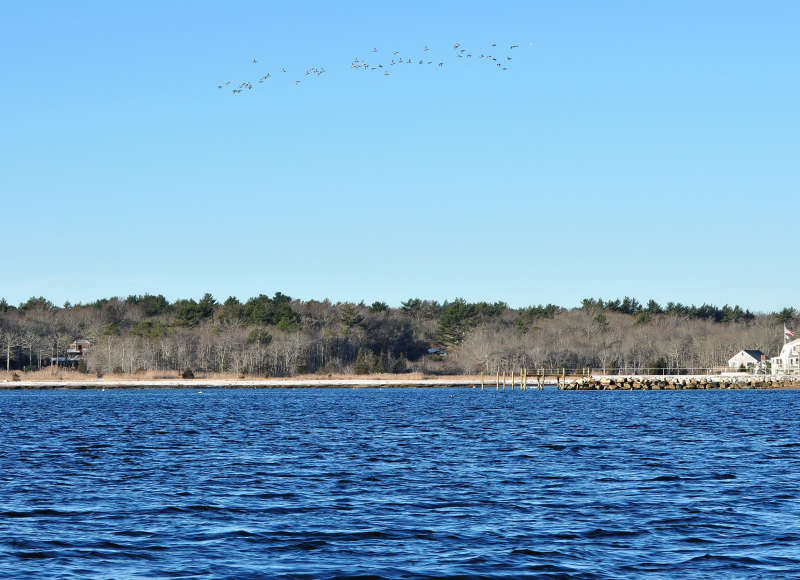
{"type": "Point", "coordinates": [747, 358]}
{"type": "Point", "coordinates": [75, 353]}
{"type": "Point", "coordinates": [788, 362]}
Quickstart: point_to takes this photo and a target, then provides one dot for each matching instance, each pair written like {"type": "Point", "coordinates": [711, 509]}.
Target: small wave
{"type": "Point", "coordinates": [199, 508]}
{"type": "Point", "coordinates": [740, 560]}
{"type": "Point", "coordinates": [603, 533]}
{"type": "Point", "coordinates": [135, 533]}
{"type": "Point", "coordinates": [536, 553]}
{"type": "Point", "coordinates": [33, 555]}
{"type": "Point", "coordinates": [271, 495]}
{"type": "Point", "coordinates": [305, 546]}
{"type": "Point", "coordinates": [44, 512]}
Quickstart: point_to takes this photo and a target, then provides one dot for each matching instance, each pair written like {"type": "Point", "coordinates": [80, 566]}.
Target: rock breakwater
{"type": "Point", "coordinates": [633, 383]}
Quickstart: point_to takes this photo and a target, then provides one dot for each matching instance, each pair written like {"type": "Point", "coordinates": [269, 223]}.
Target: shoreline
{"type": "Point", "coordinates": [236, 384]}
{"type": "Point", "coordinates": [619, 382]}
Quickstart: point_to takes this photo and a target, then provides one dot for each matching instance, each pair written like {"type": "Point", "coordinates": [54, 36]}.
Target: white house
{"type": "Point", "coordinates": [747, 358]}
{"type": "Point", "coordinates": [788, 362]}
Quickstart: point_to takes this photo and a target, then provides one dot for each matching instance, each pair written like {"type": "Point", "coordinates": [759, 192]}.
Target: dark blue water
{"type": "Point", "coordinates": [396, 483]}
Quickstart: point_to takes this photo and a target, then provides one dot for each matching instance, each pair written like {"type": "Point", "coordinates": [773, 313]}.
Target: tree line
{"type": "Point", "coordinates": [281, 336]}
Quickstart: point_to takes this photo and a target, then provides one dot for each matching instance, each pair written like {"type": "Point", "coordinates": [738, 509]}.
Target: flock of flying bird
{"type": "Point", "coordinates": [498, 61]}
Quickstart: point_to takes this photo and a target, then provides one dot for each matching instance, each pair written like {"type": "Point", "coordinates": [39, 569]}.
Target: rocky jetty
{"type": "Point", "coordinates": [634, 383]}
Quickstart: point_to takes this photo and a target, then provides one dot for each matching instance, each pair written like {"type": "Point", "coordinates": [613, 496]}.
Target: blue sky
{"type": "Point", "coordinates": [642, 149]}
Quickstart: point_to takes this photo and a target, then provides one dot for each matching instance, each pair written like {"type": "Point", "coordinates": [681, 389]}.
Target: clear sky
{"type": "Point", "coordinates": [647, 149]}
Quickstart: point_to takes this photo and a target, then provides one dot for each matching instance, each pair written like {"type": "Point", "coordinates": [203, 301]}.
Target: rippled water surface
{"type": "Point", "coordinates": [399, 483]}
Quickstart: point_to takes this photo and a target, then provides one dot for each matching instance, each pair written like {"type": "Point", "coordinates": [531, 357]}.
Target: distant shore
{"type": "Point", "coordinates": [618, 382]}
{"type": "Point", "coordinates": [234, 384]}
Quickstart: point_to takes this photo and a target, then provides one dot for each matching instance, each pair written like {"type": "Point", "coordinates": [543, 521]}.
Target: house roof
{"type": "Point", "coordinates": [756, 354]}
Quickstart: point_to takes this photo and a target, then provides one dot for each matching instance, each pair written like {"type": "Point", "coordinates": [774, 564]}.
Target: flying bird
{"type": "Point", "coordinates": [359, 63]}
